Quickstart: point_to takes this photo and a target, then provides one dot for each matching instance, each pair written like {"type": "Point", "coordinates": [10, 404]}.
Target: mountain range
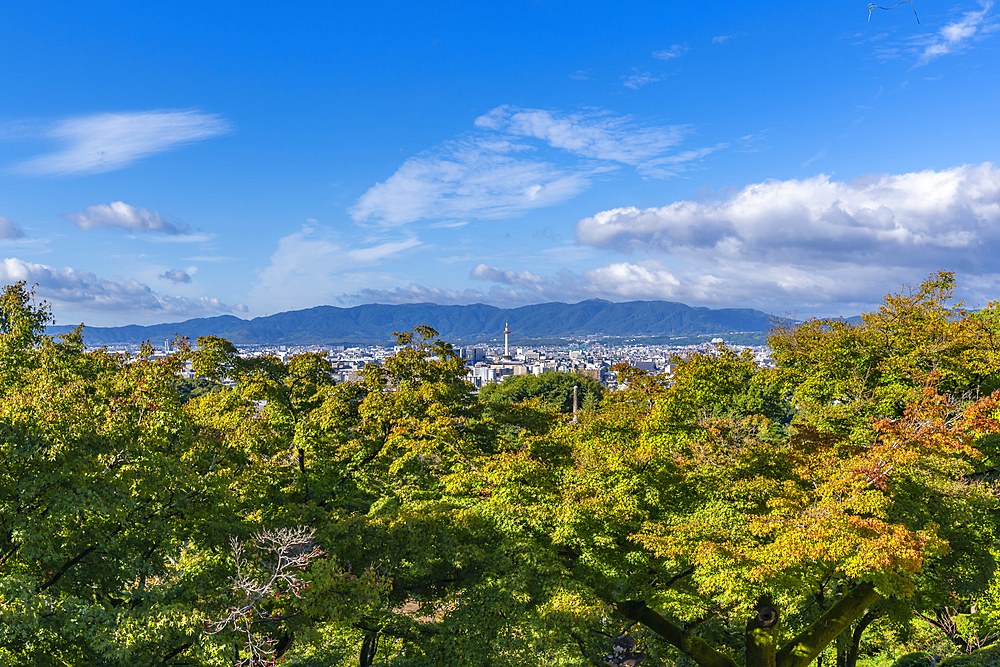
{"type": "Point", "coordinates": [375, 323]}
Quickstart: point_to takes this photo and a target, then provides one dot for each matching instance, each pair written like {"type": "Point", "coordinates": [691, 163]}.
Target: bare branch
{"type": "Point", "coordinates": [274, 570]}
{"type": "Point", "coordinates": [872, 6]}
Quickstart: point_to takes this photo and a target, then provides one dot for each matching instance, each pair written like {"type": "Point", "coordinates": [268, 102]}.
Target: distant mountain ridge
{"type": "Point", "coordinates": [373, 323]}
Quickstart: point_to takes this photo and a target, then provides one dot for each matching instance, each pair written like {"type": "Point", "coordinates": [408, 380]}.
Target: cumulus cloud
{"type": "Point", "coordinates": [109, 141]}
{"type": "Point", "coordinates": [956, 35]}
{"type": "Point", "coordinates": [674, 51]}
{"type": "Point", "coordinates": [617, 281]}
{"type": "Point", "coordinates": [82, 291]}
{"type": "Point", "coordinates": [516, 278]}
{"type": "Point", "coordinates": [312, 266]}
{"type": "Point", "coordinates": [778, 288]}
{"type": "Point", "coordinates": [816, 245]}
{"type": "Point", "coordinates": [176, 275]}
{"type": "Point", "coordinates": [10, 229]}
{"type": "Point", "coordinates": [946, 216]}
{"type": "Point", "coordinates": [497, 172]}
{"type": "Point", "coordinates": [122, 215]}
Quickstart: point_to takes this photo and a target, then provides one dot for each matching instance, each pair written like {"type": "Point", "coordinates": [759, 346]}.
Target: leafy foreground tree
{"type": "Point", "coordinates": [723, 537]}
{"type": "Point", "coordinates": [732, 515]}
{"type": "Point", "coordinates": [117, 507]}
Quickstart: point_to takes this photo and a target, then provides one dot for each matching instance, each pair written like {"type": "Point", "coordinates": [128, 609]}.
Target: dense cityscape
{"type": "Point", "coordinates": [492, 362]}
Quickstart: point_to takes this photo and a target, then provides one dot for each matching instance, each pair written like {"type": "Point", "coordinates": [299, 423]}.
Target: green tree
{"type": "Point", "coordinates": [734, 539]}
{"type": "Point", "coordinates": [118, 503]}
{"type": "Point", "coordinates": [554, 389]}
{"type": "Point", "coordinates": [96, 502]}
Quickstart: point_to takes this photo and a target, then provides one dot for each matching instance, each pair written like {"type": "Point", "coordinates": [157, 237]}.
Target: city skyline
{"type": "Point", "coordinates": [164, 163]}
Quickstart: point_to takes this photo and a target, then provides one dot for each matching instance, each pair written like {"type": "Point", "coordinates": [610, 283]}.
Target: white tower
{"type": "Point", "coordinates": [506, 333]}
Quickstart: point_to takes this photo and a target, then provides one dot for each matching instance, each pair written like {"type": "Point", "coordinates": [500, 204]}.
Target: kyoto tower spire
{"type": "Point", "coordinates": [506, 333]}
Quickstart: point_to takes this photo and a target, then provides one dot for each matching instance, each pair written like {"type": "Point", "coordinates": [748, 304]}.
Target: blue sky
{"type": "Point", "coordinates": [160, 162]}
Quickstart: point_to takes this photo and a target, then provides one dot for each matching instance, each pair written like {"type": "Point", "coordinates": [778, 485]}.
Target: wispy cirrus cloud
{"type": "Point", "coordinates": [956, 35]}
{"type": "Point", "coordinates": [120, 215]}
{"type": "Point", "coordinates": [640, 78]}
{"type": "Point", "coordinates": [675, 51]}
{"type": "Point", "coordinates": [477, 177]}
{"type": "Point", "coordinates": [311, 266]}
{"type": "Point", "coordinates": [10, 229]}
{"type": "Point", "coordinates": [591, 134]}
{"type": "Point", "coordinates": [80, 291]}
{"type": "Point", "coordinates": [498, 171]}
{"type": "Point", "coordinates": [109, 141]}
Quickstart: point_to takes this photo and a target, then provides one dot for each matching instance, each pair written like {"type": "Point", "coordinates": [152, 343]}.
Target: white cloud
{"type": "Point", "coordinates": [720, 39]}
{"type": "Point", "coordinates": [414, 293]}
{"type": "Point", "coordinates": [495, 172]}
{"type": "Point", "coordinates": [110, 141]}
{"type": "Point", "coordinates": [674, 51]}
{"type": "Point", "coordinates": [816, 245]}
{"type": "Point", "coordinates": [476, 178]}
{"type": "Point", "coordinates": [10, 229]}
{"type": "Point", "coordinates": [813, 243]}
{"type": "Point", "coordinates": [591, 134]}
{"type": "Point", "coordinates": [639, 79]}
{"type": "Point", "coordinates": [176, 275]}
{"type": "Point", "coordinates": [956, 35]}
{"type": "Point", "coordinates": [941, 216]}
{"type": "Point", "coordinates": [847, 289]}
{"type": "Point", "coordinates": [672, 165]}
{"type": "Point", "coordinates": [82, 292]}
{"type": "Point", "coordinates": [516, 278]}
{"type": "Point", "coordinates": [311, 267]}
{"type": "Point", "coordinates": [122, 215]}
{"type": "Point", "coordinates": [617, 282]}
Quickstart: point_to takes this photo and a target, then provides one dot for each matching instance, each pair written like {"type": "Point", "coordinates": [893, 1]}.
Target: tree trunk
{"type": "Point", "coordinates": [802, 650]}
{"type": "Point", "coordinates": [369, 647]}
{"type": "Point", "coordinates": [843, 643]}
{"type": "Point", "coordinates": [762, 635]}
{"type": "Point", "coordinates": [859, 630]}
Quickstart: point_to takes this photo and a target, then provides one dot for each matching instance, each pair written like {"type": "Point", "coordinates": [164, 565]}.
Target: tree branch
{"type": "Point", "coordinates": [66, 567]}
{"type": "Point", "coordinates": [859, 630]}
{"type": "Point", "coordinates": [696, 647]}
{"type": "Point", "coordinates": [804, 647]}
{"type": "Point", "coordinates": [174, 653]}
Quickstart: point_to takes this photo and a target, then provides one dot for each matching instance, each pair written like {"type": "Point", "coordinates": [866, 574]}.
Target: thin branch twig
{"type": "Point", "coordinates": [872, 5]}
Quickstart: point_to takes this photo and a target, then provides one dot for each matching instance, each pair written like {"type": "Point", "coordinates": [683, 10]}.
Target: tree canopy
{"type": "Point", "coordinates": [727, 515]}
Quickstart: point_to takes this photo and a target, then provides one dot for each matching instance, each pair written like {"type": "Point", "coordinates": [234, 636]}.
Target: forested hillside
{"type": "Point", "coordinates": [841, 507]}
{"type": "Point", "coordinates": [375, 323]}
